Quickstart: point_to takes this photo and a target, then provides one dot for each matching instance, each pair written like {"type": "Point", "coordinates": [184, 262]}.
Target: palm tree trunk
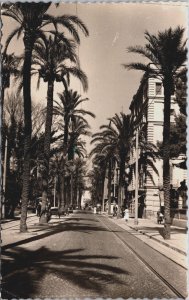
{"type": "Point", "coordinates": [68, 191]}
{"type": "Point", "coordinates": [166, 156]}
{"type": "Point", "coordinates": [62, 194]}
{"type": "Point", "coordinates": [75, 192]}
{"type": "Point", "coordinates": [102, 189]}
{"type": "Point", "coordinates": [66, 124]}
{"type": "Point", "coordinates": [109, 186]}
{"type": "Point", "coordinates": [80, 192]}
{"type": "Point", "coordinates": [2, 102]}
{"type": "Point", "coordinates": [28, 43]}
{"type": "Point", "coordinates": [119, 215]}
{"type": "Point", "coordinates": [47, 144]}
{"type": "Point", "coordinates": [121, 174]}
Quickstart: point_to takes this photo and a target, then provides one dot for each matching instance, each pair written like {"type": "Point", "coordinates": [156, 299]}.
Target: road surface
{"type": "Point", "coordinates": [82, 256]}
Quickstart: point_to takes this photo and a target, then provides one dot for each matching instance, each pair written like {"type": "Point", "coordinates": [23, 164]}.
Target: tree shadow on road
{"type": "Point", "coordinates": [24, 270]}
{"type": "Point", "coordinates": [48, 230]}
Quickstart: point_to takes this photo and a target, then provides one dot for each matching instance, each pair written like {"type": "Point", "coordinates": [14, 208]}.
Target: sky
{"type": "Point", "coordinates": [112, 28]}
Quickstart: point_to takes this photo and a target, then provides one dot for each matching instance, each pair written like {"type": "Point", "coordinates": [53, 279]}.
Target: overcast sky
{"type": "Point", "coordinates": [112, 28]}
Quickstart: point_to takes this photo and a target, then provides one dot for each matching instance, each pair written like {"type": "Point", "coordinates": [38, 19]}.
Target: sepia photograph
{"type": "Point", "coordinates": [94, 150]}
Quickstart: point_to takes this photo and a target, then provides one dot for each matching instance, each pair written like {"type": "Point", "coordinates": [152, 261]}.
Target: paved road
{"type": "Point", "coordinates": [80, 258]}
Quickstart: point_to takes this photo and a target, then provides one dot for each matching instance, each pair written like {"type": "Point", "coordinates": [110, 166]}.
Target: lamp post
{"type": "Point", "coordinates": [136, 181]}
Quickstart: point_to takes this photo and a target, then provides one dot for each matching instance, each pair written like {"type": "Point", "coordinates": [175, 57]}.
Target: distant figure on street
{"type": "Point", "coordinates": [99, 208]}
{"type": "Point", "coordinates": [39, 208]}
{"type": "Point", "coordinates": [126, 214]}
{"type": "Point", "coordinates": [122, 212]}
{"type": "Point", "coordinates": [182, 191]}
{"type": "Point", "coordinates": [66, 210]}
{"type": "Point", "coordinates": [173, 197]}
{"type": "Point", "coordinates": [159, 217]}
{"type": "Point", "coordinates": [114, 211]}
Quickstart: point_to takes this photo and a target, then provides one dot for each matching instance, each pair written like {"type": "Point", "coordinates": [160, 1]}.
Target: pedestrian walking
{"type": "Point", "coordinates": [39, 208]}
{"type": "Point", "coordinates": [159, 217]}
{"type": "Point", "coordinates": [98, 208]}
{"type": "Point", "coordinates": [114, 211]}
{"type": "Point", "coordinates": [67, 210]}
{"type": "Point", "coordinates": [126, 214]}
{"type": "Point", "coordinates": [122, 212]}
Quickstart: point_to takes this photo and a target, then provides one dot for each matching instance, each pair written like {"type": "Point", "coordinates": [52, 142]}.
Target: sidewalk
{"type": "Point", "coordinates": [178, 241]}
{"type": "Point", "coordinates": [10, 235]}
{"type": "Point", "coordinates": [151, 233]}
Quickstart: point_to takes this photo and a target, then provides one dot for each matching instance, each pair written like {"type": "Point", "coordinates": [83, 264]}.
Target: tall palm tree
{"type": "Point", "coordinates": [50, 55]}
{"type": "Point", "coordinates": [104, 149]}
{"type": "Point", "coordinates": [75, 146]}
{"type": "Point", "coordinates": [120, 132]}
{"type": "Point", "coordinates": [31, 17]}
{"type": "Point", "coordinates": [78, 181]}
{"type": "Point", "coordinates": [97, 178]}
{"type": "Point", "coordinates": [167, 52]}
{"type": "Point", "coordinates": [68, 110]}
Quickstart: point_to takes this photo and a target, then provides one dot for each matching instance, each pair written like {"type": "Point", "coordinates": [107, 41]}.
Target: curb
{"type": "Point", "coordinates": [157, 240]}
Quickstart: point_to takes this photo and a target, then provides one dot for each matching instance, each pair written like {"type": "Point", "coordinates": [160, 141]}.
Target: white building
{"type": "Point", "coordinates": [148, 103]}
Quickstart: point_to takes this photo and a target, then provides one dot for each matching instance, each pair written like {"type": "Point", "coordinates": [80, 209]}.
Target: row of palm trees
{"type": "Point", "coordinates": [114, 146]}
{"type": "Point", "coordinates": [166, 55]}
{"type": "Point", "coordinates": [51, 56]}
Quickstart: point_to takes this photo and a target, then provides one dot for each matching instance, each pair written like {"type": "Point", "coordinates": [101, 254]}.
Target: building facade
{"type": "Point", "coordinates": [147, 108]}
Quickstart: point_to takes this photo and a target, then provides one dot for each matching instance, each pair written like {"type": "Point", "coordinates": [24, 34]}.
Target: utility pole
{"type": "Point", "coordinates": [136, 181]}
{"type": "Point", "coordinates": [4, 179]}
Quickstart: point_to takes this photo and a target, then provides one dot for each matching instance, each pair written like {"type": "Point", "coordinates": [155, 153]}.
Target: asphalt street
{"type": "Point", "coordinates": [82, 256]}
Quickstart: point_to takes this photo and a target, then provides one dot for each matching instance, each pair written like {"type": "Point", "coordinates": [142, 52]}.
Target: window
{"type": "Point", "coordinates": [158, 88]}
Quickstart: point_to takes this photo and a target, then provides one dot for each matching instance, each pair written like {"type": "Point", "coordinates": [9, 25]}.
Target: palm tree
{"type": "Point", "coordinates": [50, 55]}
{"type": "Point", "coordinates": [104, 150]}
{"type": "Point", "coordinates": [167, 53]}
{"type": "Point", "coordinates": [10, 64]}
{"type": "Point", "coordinates": [120, 132]}
{"type": "Point", "coordinates": [78, 181]}
{"type": "Point", "coordinates": [68, 110]}
{"type": "Point", "coordinates": [97, 178]}
{"type": "Point", "coordinates": [75, 145]}
{"type": "Point", "coordinates": [32, 18]}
